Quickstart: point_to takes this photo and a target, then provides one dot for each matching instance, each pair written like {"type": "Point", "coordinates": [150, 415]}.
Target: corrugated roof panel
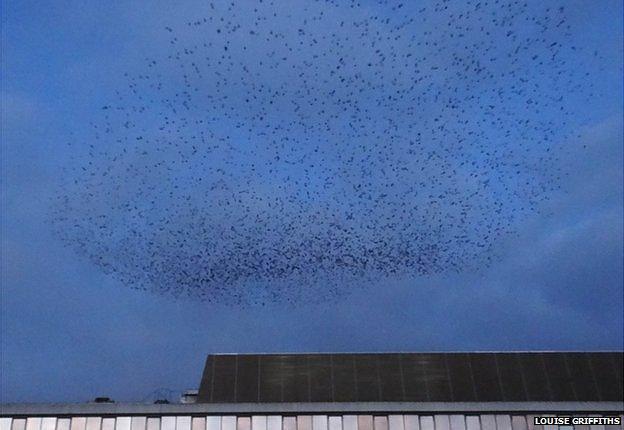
{"type": "Point", "coordinates": [485, 377]}
{"type": "Point", "coordinates": [343, 378]}
{"type": "Point", "coordinates": [270, 374]}
{"type": "Point", "coordinates": [415, 377]}
{"type": "Point", "coordinates": [435, 372]}
{"type": "Point", "coordinates": [460, 373]}
{"type": "Point", "coordinates": [390, 377]}
{"type": "Point", "coordinates": [320, 376]}
{"type": "Point", "coordinates": [295, 378]}
{"type": "Point", "coordinates": [414, 381]}
{"type": "Point", "coordinates": [247, 379]}
{"type": "Point", "coordinates": [511, 378]}
{"type": "Point", "coordinates": [559, 376]}
{"type": "Point", "coordinates": [366, 378]}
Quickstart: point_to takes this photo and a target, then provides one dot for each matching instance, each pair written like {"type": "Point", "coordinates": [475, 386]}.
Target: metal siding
{"type": "Point", "coordinates": [411, 422]}
{"type": "Point", "coordinates": [168, 423]}
{"type": "Point", "coordinates": [213, 423]}
{"type": "Point", "coordinates": [95, 423]}
{"type": "Point", "coordinates": [48, 423]}
{"type": "Point", "coordinates": [442, 422]}
{"type": "Point", "coordinates": [458, 422]}
{"type": "Point", "coordinates": [349, 422]}
{"type": "Point", "coordinates": [153, 423]}
{"type": "Point", "coordinates": [64, 423]}
{"type": "Point", "coordinates": [473, 422]}
{"type": "Point", "coordinates": [503, 422]}
{"type": "Point", "coordinates": [289, 423]}
{"type": "Point", "coordinates": [121, 423]}
{"type": "Point", "coordinates": [5, 423]}
{"type": "Point", "coordinates": [259, 422]}
{"type": "Point", "coordinates": [426, 423]}
{"type": "Point", "coordinates": [365, 422]}
{"type": "Point", "coordinates": [304, 422]}
{"type": "Point", "coordinates": [274, 422]}
{"type": "Point", "coordinates": [18, 424]}
{"type": "Point", "coordinates": [33, 423]}
{"type": "Point", "coordinates": [228, 422]}
{"type": "Point", "coordinates": [319, 422]}
{"type": "Point", "coordinates": [138, 423]}
{"type": "Point", "coordinates": [198, 423]}
{"type": "Point", "coordinates": [243, 423]}
{"type": "Point", "coordinates": [80, 423]}
{"type": "Point", "coordinates": [334, 423]}
{"type": "Point", "coordinates": [530, 425]}
{"type": "Point", "coordinates": [518, 422]}
{"type": "Point", "coordinates": [183, 423]}
{"type": "Point", "coordinates": [488, 422]}
{"type": "Point", "coordinates": [380, 423]}
{"type": "Point", "coordinates": [396, 422]}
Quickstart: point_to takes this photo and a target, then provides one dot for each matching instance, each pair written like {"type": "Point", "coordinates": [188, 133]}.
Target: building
{"type": "Point", "coordinates": [385, 391]}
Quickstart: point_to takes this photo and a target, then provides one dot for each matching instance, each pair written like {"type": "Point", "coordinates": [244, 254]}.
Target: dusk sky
{"type": "Point", "coordinates": [86, 314]}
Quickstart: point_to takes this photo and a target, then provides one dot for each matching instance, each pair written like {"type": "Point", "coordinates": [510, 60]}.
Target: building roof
{"type": "Point", "coordinates": [413, 377]}
{"type": "Point", "coordinates": [314, 408]}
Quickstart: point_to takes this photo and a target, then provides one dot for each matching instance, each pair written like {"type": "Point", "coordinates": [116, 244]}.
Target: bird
{"type": "Point", "coordinates": [295, 154]}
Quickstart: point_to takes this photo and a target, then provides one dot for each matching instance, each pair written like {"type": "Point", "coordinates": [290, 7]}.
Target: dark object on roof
{"type": "Point", "coordinates": [413, 377]}
{"type": "Point", "coordinates": [103, 400]}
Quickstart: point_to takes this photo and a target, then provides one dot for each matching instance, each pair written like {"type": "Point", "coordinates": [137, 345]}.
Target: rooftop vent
{"type": "Point", "coordinates": [189, 396]}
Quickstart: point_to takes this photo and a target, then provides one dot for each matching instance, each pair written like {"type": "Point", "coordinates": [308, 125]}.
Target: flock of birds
{"type": "Point", "coordinates": [294, 150]}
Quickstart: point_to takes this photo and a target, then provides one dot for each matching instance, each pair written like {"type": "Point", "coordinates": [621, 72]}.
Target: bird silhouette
{"type": "Point", "coordinates": [293, 153]}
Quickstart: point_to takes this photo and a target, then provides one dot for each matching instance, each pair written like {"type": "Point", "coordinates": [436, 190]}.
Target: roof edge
{"type": "Point", "coordinates": [117, 409]}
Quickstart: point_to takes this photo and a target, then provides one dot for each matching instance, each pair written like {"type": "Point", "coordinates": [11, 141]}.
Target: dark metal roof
{"type": "Point", "coordinates": [413, 377]}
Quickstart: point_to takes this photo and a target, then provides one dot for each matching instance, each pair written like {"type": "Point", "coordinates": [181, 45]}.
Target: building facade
{"type": "Point", "coordinates": [402, 391]}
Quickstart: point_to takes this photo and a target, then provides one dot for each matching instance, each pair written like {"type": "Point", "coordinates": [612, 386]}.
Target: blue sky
{"type": "Point", "coordinates": [70, 332]}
